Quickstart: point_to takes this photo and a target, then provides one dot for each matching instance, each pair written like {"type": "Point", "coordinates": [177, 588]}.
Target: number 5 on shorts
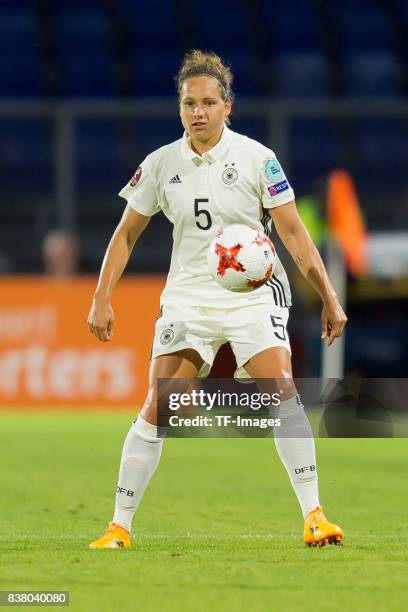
{"type": "Point", "coordinates": [278, 326]}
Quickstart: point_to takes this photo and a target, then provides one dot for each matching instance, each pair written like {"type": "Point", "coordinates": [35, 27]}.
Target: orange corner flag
{"type": "Point", "coordinates": [345, 221]}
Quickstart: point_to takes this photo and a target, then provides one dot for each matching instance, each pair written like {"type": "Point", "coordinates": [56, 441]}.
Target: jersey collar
{"type": "Point", "coordinates": [213, 154]}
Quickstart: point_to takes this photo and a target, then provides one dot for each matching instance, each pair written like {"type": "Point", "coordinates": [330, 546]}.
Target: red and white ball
{"type": "Point", "coordinates": [241, 258]}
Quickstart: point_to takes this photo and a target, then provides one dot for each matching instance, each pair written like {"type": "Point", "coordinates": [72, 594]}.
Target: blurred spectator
{"type": "Point", "coordinates": [312, 214]}
{"type": "Point", "coordinates": [6, 265]}
{"type": "Point", "coordinates": [60, 252]}
{"type": "Point", "coordinates": [312, 210]}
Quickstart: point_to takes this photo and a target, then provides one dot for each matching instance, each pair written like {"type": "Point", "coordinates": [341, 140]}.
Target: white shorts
{"type": "Point", "coordinates": [249, 330]}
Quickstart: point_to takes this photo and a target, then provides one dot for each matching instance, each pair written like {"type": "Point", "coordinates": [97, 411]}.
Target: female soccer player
{"type": "Point", "coordinates": [210, 178]}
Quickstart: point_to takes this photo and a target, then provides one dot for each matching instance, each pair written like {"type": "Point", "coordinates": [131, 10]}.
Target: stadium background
{"type": "Point", "coordinates": [86, 91]}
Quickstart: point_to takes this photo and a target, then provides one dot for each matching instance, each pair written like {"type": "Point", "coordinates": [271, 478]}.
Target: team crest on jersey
{"type": "Point", "coordinates": [166, 336]}
{"type": "Point", "coordinates": [136, 177]}
{"type": "Point", "coordinates": [273, 170]}
{"type": "Point", "coordinates": [230, 174]}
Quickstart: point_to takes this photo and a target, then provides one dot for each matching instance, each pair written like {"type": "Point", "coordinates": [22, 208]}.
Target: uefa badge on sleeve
{"type": "Point", "coordinates": [273, 171]}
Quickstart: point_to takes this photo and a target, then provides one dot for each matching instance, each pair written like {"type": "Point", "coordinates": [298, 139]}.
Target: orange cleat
{"type": "Point", "coordinates": [318, 531]}
{"type": "Point", "coordinates": [114, 537]}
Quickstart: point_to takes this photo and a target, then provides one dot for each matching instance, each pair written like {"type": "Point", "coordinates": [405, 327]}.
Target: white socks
{"type": "Point", "coordinates": [295, 445]}
{"type": "Point", "coordinates": [140, 458]}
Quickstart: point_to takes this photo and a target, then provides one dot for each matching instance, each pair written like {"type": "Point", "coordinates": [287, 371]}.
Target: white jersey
{"type": "Point", "coordinates": [234, 182]}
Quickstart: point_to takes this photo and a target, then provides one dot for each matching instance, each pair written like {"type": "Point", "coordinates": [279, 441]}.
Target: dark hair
{"type": "Point", "coordinates": [196, 62]}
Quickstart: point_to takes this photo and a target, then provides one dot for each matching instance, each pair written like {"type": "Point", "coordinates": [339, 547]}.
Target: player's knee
{"type": "Point", "coordinates": [293, 419]}
{"type": "Point", "coordinates": [149, 410]}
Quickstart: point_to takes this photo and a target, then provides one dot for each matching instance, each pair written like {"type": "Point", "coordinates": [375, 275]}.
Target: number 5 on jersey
{"type": "Point", "coordinates": [278, 325]}
{"type": "Point", "coordinates": [204, 218]}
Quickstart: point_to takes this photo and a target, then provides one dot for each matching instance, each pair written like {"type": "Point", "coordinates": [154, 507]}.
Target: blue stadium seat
{"type": "Point", "coordinates": [79, 4]}
{"type": "Point", "coordinates": [20, 62]}
{"type": "Point", "coordinates": [300, 74]}
{"type": "Point", "coordinates": [361, 27]}
{"type": "Point", "coordinates": [402, 10]}
{"type": "Point", "coordinates": [153, 44]}
{"type": "Point", "coordinates": [291, 26]}
{"type": "Point", "coordinates": [380, 153]}
{"type": "Point", "coordinates": [151, 25]}
{"type": "Point", "coordinates": [99, 156]}
{"type": "Point", "coordinates": [17, 29]}
{"type": "Point", "coordinates": [248, 79]}
{"type": "Point", "coordinates": [152, 73]}
{"type": "Point", "coordinates": [375, 342]}
{"type": "Point", "coordinates": [139, 8]}
{"type": "Point", "coordinates": [87, 77]}
{"type": "Point", "coordinates": [13, 5]}
{"type": "Point", "coordinates": [81, 30]}
{"type": "Point", "coordinates": [21, 77]}
{"type": "Point", "coordinates": [250, 126]}
{"type": "Point", "coordinates": [375, 74]}
{"type": "Point", "coordinates": [314, 151]}
{"type": "Point", "coordinates": [222, 30]}
{"type": "Point", "coordinates": [26, 153]}
{"type": "Point", "coordinates": [401, 15]}
{"type": "Point", "coordinates": [151, 134]}
{"type": "Point", "coordinates": [84, 52]}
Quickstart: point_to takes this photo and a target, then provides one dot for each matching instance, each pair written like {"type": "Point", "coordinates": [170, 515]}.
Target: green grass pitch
{"type": "Point", "coordinates": [219, 528]}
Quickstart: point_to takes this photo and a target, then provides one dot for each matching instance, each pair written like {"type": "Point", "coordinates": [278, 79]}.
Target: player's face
{"type": "Point", "coordinates": [202, 110]}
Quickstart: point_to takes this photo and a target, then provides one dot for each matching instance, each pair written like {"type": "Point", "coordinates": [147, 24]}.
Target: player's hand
{"type": "Point", "coordinates": [333, 320]}
{"type": "Point", "coordinates": [100, 320]}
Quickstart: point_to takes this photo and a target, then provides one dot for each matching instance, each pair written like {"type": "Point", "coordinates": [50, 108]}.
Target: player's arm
{"type": "Point", "coordinates": [101, 317]}
{"type": "Point", "coordinates": [298, 242]}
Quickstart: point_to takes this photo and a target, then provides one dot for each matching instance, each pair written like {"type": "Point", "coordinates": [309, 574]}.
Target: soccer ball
{"type": "Point", "coordinates": [241, 258]}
